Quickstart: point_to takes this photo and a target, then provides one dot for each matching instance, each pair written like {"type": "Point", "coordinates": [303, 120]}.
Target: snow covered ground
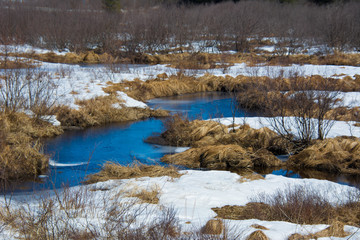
{"type": "Point", "coordinates": [194, 194]}
{"type": "Point", "coordinates": [339, 128]}
{"type": "Point", "coordinates": [85, 82]}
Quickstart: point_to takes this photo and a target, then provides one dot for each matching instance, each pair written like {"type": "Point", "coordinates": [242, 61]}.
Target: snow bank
{"type": "Point", "coordinates": [340, 128]}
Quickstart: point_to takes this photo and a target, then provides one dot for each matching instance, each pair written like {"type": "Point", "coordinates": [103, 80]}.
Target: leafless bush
{"type": "Point", "coordinates": [27, 89]}
{"type": "Point", "coordinates": [156, 27]}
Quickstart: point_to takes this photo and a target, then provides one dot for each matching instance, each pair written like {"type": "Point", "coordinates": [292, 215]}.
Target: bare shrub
{"type": "Point", "coordinates": [300, 205]}
{"type": "Point", "coordinates": [27, 89]}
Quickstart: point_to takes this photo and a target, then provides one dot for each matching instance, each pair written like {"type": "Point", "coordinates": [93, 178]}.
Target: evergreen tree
{"type": "Point", "coordinates": [112, 5]}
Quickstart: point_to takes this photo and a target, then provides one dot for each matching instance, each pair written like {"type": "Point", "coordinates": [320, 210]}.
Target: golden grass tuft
{"type": "Point", "coordinates": [336, 229]}
{"type": "Point", "coordinates": [100, 110]}
{"type": "Point", "coordinates": [136, 170]}
{"type": "Point", "coordinates": [340, 154]}
{"type": "Point", "coordinates": [213, 227]}
{"type": "Point", "coordinates": [182, 132]}
{"type": "Point", "coordinates": [257, 226]}
{"type": "Point", "coordinates": [146, 196]}
{"type": "Point", "coordinates": [20, 151]}
{"type": "Point", "coordinates": [257, 235]}
{"type": "Point", "coordinates": [251, 176]}
{"type": "Point", "coordinates": [222, 157]}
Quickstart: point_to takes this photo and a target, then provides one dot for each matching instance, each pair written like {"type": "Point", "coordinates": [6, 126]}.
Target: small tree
{"type": "Point", "coordinates": [112, 5]}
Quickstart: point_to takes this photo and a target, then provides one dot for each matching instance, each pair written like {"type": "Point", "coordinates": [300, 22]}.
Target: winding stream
{"type": "Point", "coordinates": [78, 153]}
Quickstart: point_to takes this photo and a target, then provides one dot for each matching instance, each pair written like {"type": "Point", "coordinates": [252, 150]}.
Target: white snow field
{"type": "Point", "coordinates": [192, 196]}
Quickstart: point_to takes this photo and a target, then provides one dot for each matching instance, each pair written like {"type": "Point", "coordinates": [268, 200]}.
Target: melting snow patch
{"type": "Point", "coordinates": [130, 102]}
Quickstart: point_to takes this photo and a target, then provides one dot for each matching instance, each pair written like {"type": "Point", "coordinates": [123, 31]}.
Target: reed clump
{"type": "Point", "coordinates": [257, 235]}
{"type": "Point", "coordinates": [339, 155]}
{"type": "Point", "coordinates": [223, 157]}
{"type": "Point", "coordinates": [136, 170]}
{"type": "Point", "coordinates": [101, 110]}
{"type": "Point", "coordinates": [87, 57]}
{"type": "Point", "coordinates": [336, 229]}
{"type": "Point", "coordinates": [150, 195]}
{"type": "Point", "coordinates": [181, 132]}
{"type": "Point", "coordinates": [21, 154]}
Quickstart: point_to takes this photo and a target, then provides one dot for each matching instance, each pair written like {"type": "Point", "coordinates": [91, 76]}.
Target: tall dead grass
{"type": "Point", "coordinates": [300, 205]}
{"type": "Point", "coordinates": [223, 157]}
{"type": "Point", "coordinates": [339, 155]}
{"type": "Point", "coordinates": [136, 170]}
{"type": "Point", "coordinates": [21, 156]}
{"type": "Point", "coordinates": [100, 110]}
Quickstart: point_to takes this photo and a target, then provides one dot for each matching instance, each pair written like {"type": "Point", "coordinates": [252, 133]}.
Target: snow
{"type": "Point", "coordinates": [53, 163]}
{"type": "Point", "coordinates": [130, 102]}
{"type": "Point", "coordinates": [339, 128]}
{"type": "Point", "coordinates": [193, 195]}
{"type": "Point", "coordinates": [28, 49]}
{"type": "Point", "coordinates": [351, 99]}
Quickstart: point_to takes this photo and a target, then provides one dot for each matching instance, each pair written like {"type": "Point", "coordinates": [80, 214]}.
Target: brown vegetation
{"type": "Point", "coordinates": [136, 170]}
{"type": "Point", "coordinates": [257, 235]}
{"type": "Point", "coordinates": [336, 229]}
{"type": "Point", "coordinates": [298, 205]}
{"type": "Point", "coordinates": [20, 150]}
{"type": "Point", "coordinates": [223, 157]}
{"type": "Point", "coordinates": [340, 154]}
{"type": "Point", "coordinates": [179, 131]}
{"type": "Point", "coordinates": [100, 110]}
{"type": "Point", "coordinates": [146, 196]}
{"type": "Point", "coordinates": [213, 227]}
{"type": "Point", "coordinates": [87, 57]}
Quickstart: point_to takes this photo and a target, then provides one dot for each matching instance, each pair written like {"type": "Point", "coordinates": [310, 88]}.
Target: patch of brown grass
{"type": "Point", "coordinates": [336, 229]}
{"type": "Point", "coordinates": [136, 170]}
{"type": "Point", "coordinates": [222, 157]}
{"type": "Point", "coordinates": [257, 226]}
{"type": "Point", "coordinates": [250, 176]}
{"type": "Point", "coordinates": [213, 227]}
{"type": "Point", "coordinates": [340, 154]}
{"type": "Point", "coordinates": [182, 132]}
{"type": "Point", "coordinates": [146, 196]}
{"type": "Point", "coordinates": [180, 84]}
{"type": "Point", "coordinates": [298, 205]}
{"type": "Point", "coordinates": [100, 110]}
{"type": "Point", "coordinates": [257, 235]}
{"type": "Point", "coordinates": [20, 150]}
{"type": "Point", "coordinates": [179, 131]}
{"type": "Point", "coordinates": [88, 57]}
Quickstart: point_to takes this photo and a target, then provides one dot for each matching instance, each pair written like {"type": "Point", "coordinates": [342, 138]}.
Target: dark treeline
{"type": "Point", "coordinates": [145, 26]}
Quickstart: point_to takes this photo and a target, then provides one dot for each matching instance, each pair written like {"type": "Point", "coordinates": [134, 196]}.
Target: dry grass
{"type": "Point", "coordinates": [20, 151]}
{"type": "Point", "coordinates": [180, 84]}
{"type": "Point", "coordinates": [70, 58]}
{"type": "Point", "coordinates": [205, 60]}
{"type": "Point", "coordinates": [257, 226]}
{"type": "Point", "coordinates": [257, 235]}
{"type": "Point", "coordinates": [250, 176]}
{"type": "Point", "coordinates": [213, 227]}
{"type": "Point", "coordinates": [136, 170]}
{"type": "Point", "coordinates": [336, 229]}
{"type": "Point", "coordinates": [146, 195]}
{"type": "Point", "coordinates": [340, 154]}
{"type": "Point", "coordinates": [222, 157]}
{"type": "Point", "coordinates": [299, 205]}
{"type": "Point", "coordinates": [100, 110]}
{"type": "Point", "coordinates": [179, 131]}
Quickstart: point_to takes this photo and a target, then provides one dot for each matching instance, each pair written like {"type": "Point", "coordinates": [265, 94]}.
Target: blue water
{"type": "Point", "coordinates": [123, 143]}
{"type": "Point", "coordinates": [81, 152]}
